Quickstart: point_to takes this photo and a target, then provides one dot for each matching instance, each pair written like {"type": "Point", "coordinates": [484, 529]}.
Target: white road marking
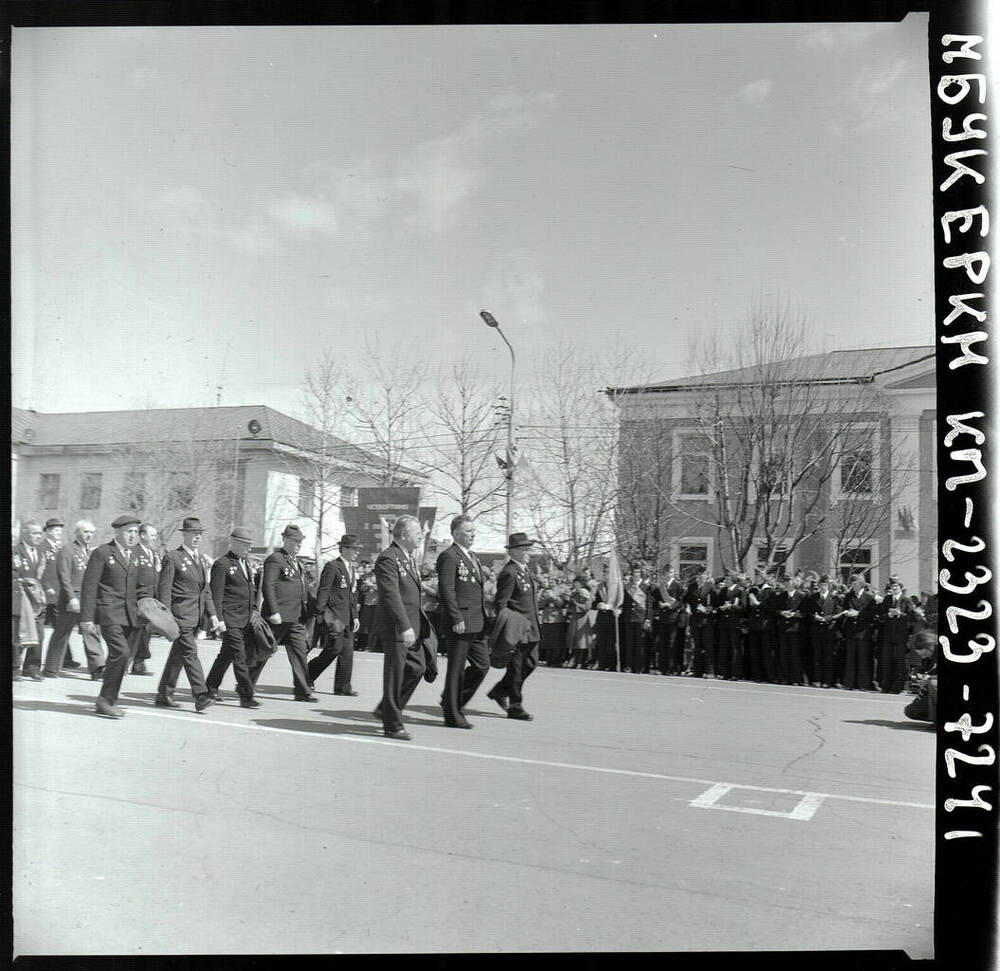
{"type": "Point", "coordinates": [415, 747]}
{"type": "Point", "coordinates": [804, 809]}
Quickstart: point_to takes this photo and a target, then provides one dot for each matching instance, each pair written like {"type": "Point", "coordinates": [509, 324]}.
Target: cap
{"type": "Point", "coordinates": [122, 521]}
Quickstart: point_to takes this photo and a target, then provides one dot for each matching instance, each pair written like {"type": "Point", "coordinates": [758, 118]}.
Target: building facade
{"type": "Point", "coordinates": [239, 465]}
{"type": "Point", "coordinates": [840, 445]}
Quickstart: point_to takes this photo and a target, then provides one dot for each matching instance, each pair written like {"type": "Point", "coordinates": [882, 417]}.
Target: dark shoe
{"type": "Point", "coordinates": [249, 703]}
{"type": "Point", "coordinates": [108, 710]}
{"type": "Point", "coordinates": [350, 693]}
{"type": "Point", "coordinates": [17, 677]}
{"type": "Point", "coordinates": [203, 701]}
{"type": "Point", "coordinates": [213, 693]}
{"type": "Point", "coordinates": [72, 664]}
{"type": "Point", "coordinates": [166, 703]}
{"type": "Point", "coordinates": [453, 723]}
{"type": "Point", "coordinates": [97, 675]}
{"type": "Point", "coordinates": [34, 676]}
{"type": "Point", "coordinates": [50, 674]}
{"type": "Point", "coordinates": [400, 733]}
{"type": "Point", "coordinates": [307, 698]}
{"type": "Point", "coordinates": [142, 670]}
{"type": "Point", "coordinates": [520, 714]}
{"type": "Point", "coordinates": [499, 697]}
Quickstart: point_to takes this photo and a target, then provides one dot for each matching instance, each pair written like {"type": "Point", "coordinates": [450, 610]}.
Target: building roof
{"type": "Point", "coordinates": [209, 424]}
{"type": "Point", "coordinates": [833, 367]}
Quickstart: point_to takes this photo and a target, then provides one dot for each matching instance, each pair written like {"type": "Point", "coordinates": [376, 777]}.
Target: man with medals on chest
{"type": "Point", "coordinates": [108, 599]}
{"type": "Point", "coordinates": [283, 586]}
{"type": "Point", "coordinates": [516, 591]}
{"type": "Point", "coordinates": [462, 606]}
{"type": "Point", "coordinates": [148, 564]}
{"type": "Point", "coordinates": [337, 615]}
{"type": "Point", "coordinates": [400, 624]}
{"type": "Point", "coordinates": [71, 561]}
{"type": "Point", "coordinates": [234, 593]}
{"type": "Point", "coordinates": [50, 581]}
{"type": "Point", "coordinates": [183, 588]}
{"type": "Point", "coordinates": [28, 602]}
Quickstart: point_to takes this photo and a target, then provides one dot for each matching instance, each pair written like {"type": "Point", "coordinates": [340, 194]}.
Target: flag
{"type": "Point", "coordinates": [615, 593]}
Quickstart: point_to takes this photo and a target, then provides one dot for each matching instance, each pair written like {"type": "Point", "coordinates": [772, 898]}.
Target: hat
{"type": "Point", "coordinates": [50, 523]}
{"type": "Point", "coordinates": [241, 533]}
{"type": "Point", "coordinates": [349, 542]}
{"type": "Point", "coordinates": [160, 619]}
{"type": "Point", "coordinates": [292, 530]}
{"type": "Point", "coordinates": [122, 521]}
{"type": "Point", "coordinates": [824, 579]}
{"type": "Point", "coordinates": [519, 541]}
{"type": "Point", "coordinates": [855, 577]}
{"type": "Point", "coordinates": [192, 525]}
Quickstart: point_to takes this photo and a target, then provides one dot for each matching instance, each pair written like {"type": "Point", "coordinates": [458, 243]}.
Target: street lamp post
{"type": "Point", "coordinates": [491, 321]}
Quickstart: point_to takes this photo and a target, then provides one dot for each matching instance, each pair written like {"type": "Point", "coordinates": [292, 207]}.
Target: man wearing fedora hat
{"type": "Point", "coordinates": [337, 616]}
{"type": "Point", "coordinates": [283, 586]}
{"type": "Point", "coordinates": [108, 600]}
{"type": "Point", "coordinates": [50, 547]}
{"type": "Point", "coordinates": [516, 591]}
{"type": "Point", "coordinates": [234, 592]}
{"type": "Point", "coordinates": [184, 588]}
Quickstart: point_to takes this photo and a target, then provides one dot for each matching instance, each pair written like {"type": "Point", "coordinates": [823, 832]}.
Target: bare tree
{"type": "Point", "coordinates": [461, 441]}
{"type": "Point", "coordinates": [776, 449]}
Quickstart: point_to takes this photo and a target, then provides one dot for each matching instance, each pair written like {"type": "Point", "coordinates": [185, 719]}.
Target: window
{"type": "Point", "coordinates": [856, 559]}
{"type": "Point", "coordinates": [692, 466]}
{"type": "Point", "coordinates": [134, 492]}
{"type": "Point", "coordinates": [781, 563]}
{"type": "Point", "coordinates": [90, 490]}
{"type": "Point", "coordinates": [48, 491]}
{"type": "Point", "coordinates": [181, 490]}
{"type": "Point", "coordinates": [690, 554]}
{"type": "Point", "coordinates": [856, 474]}
{"type": "Point", "coordinates": [307, 493]}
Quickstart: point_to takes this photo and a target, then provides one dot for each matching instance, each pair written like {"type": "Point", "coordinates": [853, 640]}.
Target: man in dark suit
{"type": "Point", "coordinates": [337, 616]}
{"type": "Point", "coordinates": [283, 585]}
{"type": "Point", "coordinates": [823, 610]}
{"type": "Point", "coordinates": [108, 599]}
{"type": "Point", "coordinates": [462, 608]}
{"type": "Point", "coordinates": [669, 621]}
{"type": "Point", "coordinates": [28, 565]}
{"type": "Point", "coordinates": [53, 542]}
{"type": "Point", "coordinates": [148, 564]}
{"type": "Point", "coordinates": [516, 591]}
{"type": "Point", "coordinates": [858, 620]}
{"type": "Point", "coordinates": [183, 587]}
{"type": "Point", "coordinates": [71, 561]}
{"type": "Point", "coordinates": [400, 624]}
{"type": "Point", "coordinates": [634, 622]}
{"type": "Point", "coordinates": [897, 616]}
{"type": "Point", "coordinates": [234, 594]}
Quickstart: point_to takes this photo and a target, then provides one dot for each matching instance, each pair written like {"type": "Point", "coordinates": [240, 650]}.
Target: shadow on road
{"type": "Point", "coordinates": [85, 708]}
{"type": "Point", "coordinates": [907, 726]}
{"type": "Point", "coordinates": [321, 728]}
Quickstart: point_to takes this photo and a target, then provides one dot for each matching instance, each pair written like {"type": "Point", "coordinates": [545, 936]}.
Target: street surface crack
{"type": "Point", "coordinates": [820, 742]}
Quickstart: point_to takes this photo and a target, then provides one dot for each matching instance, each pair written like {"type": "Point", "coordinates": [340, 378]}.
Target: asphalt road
{"type": "Point", "coordinates": [635, 813]}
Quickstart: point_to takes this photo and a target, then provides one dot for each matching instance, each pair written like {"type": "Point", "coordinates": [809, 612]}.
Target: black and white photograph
{"type": "Point", "coordinates": [475, 487]}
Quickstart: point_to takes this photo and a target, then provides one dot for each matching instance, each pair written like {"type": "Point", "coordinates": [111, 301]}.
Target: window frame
{"type": "Point", "coordinates": [42, 495]}
{"type": "Point", "coordinates": [87, 486]}
{"type": "Point", "coordinates": [677, 467]}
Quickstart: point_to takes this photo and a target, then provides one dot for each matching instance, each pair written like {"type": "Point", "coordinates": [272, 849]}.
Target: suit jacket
{"type": "Point", "coordinates": [23, 568]}
{"type": "Point", "coordinates": [108, 589]}
{"type": "Point", "coordinates": [460, 591]}
{"type": "Point", "coordinates": [337, 596]}
{"type": "Point", "coordinates": [635, 607]}
{"type": "Point", "coordinates": [509, 631]}
{"type": "Point", "coordinates": [516, 590]}
{"type": "Point", "coordinates": [817, 606]}
{"type": "Point", "coordinates": [864, 603]}
{"type": "Point", "coordinates": [283, 585]}
{"type": "Point", "coordinates": [49, 577]}
{"type": "Point", "coordinates": [399, 594]}
{"type": "Point", "coordinates": [71, 561]}
{"type": "Point", "coordinates": [183, 587]}
{"type": "Point", "coordinates": [148, 564]}
{"type": "Point", "coordinates": [234, 592]}
{"type": "Point", "coordinates": [896, 630]}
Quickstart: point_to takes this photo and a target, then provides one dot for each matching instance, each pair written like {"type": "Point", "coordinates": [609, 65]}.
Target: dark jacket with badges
{"type": "Point", "coordinates": [460, 591]}
{"type": "Point", "coordinates": [337, 597]}
{"type": "Point", "coordinates": [398, 606]}
{"type": "Point", "coordinates": [71, 561]}
{"type": "Point", "coordinates": [49, 575]}
{"type": "Point", "coordinates": [183, 587]}
{"type": "Point", "coordinates": [108, 590]}
{"type": "Point", "coordinates": [516, 590]}
{"type": "Point", "coordinates": [148, 564]}
{"type": "Point", "coordinates": [283, 585]}
{"type": "Point", "coordinates": [234, 593]}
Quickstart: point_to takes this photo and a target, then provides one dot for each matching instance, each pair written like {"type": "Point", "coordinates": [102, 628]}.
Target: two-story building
{"type": "Point", "coordinates": [825, 462]}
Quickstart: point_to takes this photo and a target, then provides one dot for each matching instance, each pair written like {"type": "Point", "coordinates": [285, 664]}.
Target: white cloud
{"type": "Point", "coordinates": [756, 92]}
{"type": "Point", "coordinates": [303, 214]}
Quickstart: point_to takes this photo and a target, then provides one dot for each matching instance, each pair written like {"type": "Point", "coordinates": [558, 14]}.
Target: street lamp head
{"type": "Point", "coordinates": [490, 320]}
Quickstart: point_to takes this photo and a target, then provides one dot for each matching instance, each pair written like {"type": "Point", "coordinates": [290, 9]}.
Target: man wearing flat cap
{"type": "Point", "coordinates": [108, 600]}
{"type": "Point", "coordinates": [337, 616]}
{"type": "Point", "coordinates": [183, 586]}
{"type": "Point", "coordinates": [234, 592]}
{"type": "Point", "coordinates": [283, 586]}
{"type": "Point", "coordinates": [516, 591]}
{"type": "Point", "coordinates": [50, 547]}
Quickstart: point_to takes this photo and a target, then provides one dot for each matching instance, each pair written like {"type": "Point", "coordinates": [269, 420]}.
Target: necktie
{"type": "Point", "coordinates": [243, 564]}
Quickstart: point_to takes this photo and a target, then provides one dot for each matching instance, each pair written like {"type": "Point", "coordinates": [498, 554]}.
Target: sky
{"type": "Point", "coordinates": [199, 213]}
